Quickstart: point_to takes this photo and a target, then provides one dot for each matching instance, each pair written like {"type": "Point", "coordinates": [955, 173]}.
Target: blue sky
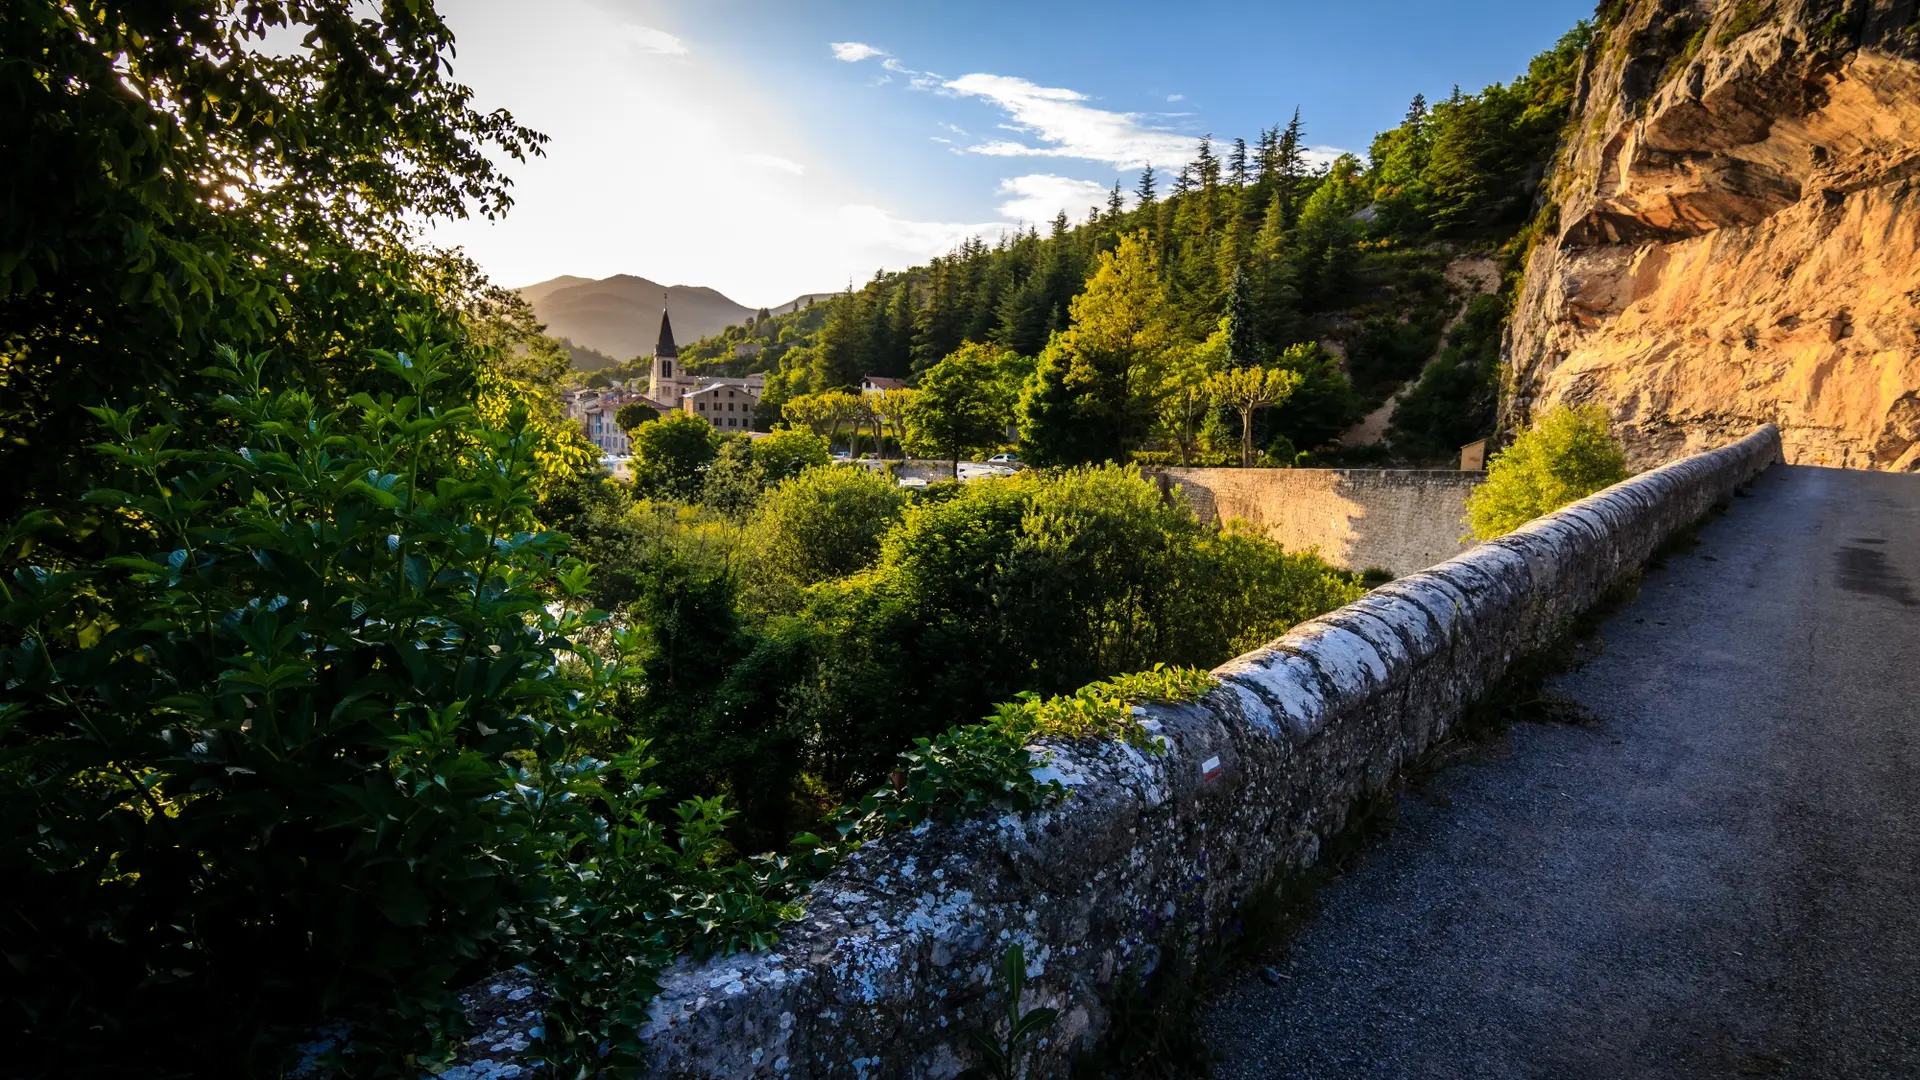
{"type": "Point", "coordinates": [771, 147]}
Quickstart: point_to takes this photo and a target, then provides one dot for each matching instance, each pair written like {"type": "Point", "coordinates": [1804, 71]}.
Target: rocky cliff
{"type": "Point", "coordinates": [1734, 235]}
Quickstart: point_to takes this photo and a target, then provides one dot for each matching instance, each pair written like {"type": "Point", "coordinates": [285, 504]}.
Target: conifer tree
{"type": "Point", "coordinates": [1237, 164]}
{"type": "Point", "coordinates": [1096, 391]}
{"type": "Point", "coordinates": [1145, 189]}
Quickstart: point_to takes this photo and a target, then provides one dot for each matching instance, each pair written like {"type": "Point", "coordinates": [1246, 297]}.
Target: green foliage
{"type": "Point", "coordinates": [963, 404]}
{"type": "Point", "coordinates": [733, 483]}
{"type": "Point", "coordinates": [822, 524]}
{"type": "Point", "coordinates": [633, 414]}
{"type": "Point", "coordinates": [1387, 351]}
{"type": "Point", "coordinates": [1567, 455]}
{"type": "Point", "coordinates": [1004, 1059]}
{"type": "Point", "coordinates": [313, 751]}
{"type": "Point", "coordinates": [1747, 16]}
{"type": "Point", "coordinates": [787, 453]}
{"type": "Point", "coordinates": [172, 185]}
{"type": "Point", "coordinates": [1247, 389]}
{"type": "Point", "coordinates": [1103, 709]}
{"type": "Point", "coordinates": [1456, 397]}
{"type": "Point", "coordinates": [1322, 406]}
{"type": "Point", "coordinates": [671, 454]}
{"type": "Point", "coordinates": [1039, 582]}
{"type": "Point", "coordinates": [1095, 393]}
{"type": "Point", "coordinates": [970, 769]}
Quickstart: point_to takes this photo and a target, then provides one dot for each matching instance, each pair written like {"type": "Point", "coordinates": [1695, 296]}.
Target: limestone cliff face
{"type": "Point", "coordinates": [1738, 233]}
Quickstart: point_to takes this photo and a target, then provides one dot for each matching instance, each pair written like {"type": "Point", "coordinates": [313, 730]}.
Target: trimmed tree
{"type": "Point", "coordinates": [1247, 390]}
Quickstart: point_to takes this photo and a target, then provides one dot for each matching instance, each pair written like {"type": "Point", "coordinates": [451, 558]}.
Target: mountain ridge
{"type": "Point", "coordinates": [618, 317]}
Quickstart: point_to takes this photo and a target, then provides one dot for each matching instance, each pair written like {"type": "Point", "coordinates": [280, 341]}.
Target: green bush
{"type": "Point", "coordinates": [318, 751]}
{"type": "Point", "coordinates": [1567, 455]}
{"type": "Point", "coordinates": [786, 452]}
{"type": "Point", "coordinates": [1037, 582]}
{"type": "Point", "coordinates": [671, 454]}
{"type": "Point", "coordinates": [824, 523]}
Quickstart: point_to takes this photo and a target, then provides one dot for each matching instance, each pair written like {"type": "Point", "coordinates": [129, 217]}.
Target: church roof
{"type": "Point", "coordinates": [666, 347]}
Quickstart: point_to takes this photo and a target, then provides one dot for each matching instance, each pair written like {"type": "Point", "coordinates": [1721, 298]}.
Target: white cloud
{"type": "Point", "coordinates": [1040, 196]}
{"type": "Point", "coordinates": [853, 51]}
{"type": "Point", "coordinates": [774, 161]}
{"type": "Point", "coordinates": [649, 40]}
{"type": "Point", "coordinates": [872, 228]}
{"type": "Point", "coordinates": [1176, 97]}
{"type": "Point", "coordinates": [1063, 125]}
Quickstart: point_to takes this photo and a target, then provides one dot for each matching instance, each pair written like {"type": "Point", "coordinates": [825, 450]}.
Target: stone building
{"type": "Point", "coordinates": [596, 411]}
{"type": "Point", "coordinates": [725, 403]}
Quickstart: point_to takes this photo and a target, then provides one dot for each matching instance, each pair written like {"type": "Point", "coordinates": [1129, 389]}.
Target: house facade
{"type": "Point", "coordinates": [727, 404]}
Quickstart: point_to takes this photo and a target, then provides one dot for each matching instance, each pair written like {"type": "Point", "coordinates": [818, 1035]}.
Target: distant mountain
{"type": "Point", "coordinates": [620, 316]}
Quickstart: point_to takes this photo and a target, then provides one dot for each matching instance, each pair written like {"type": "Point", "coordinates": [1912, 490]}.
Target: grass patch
{"type": "Point", "coordinates": [1746, 17]}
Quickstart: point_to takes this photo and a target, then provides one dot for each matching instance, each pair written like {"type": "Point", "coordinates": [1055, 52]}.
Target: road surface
{"type": "Point", "coordinates": [1719, 876]}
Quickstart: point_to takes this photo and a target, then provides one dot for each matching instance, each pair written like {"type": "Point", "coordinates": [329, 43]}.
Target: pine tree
{"type": "Point", "coordinates": [1237, 164]}
{"type": "Point", "coordinates": [1290, 162]}
{"type": "Point", "coordinates": [1116, 203]}
{"type": "Point", "coordinates": [1267, 158]}
{"type": "Point", "coordinates": [1096, 391]}
{"type": "Point", "coordinates": [1145, 187]}
{"type": "Point", "coordinates": [1244, 347]}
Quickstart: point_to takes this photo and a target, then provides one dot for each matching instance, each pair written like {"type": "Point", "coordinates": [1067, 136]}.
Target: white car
{"type": "Point", "coordinates": [1004, 459]}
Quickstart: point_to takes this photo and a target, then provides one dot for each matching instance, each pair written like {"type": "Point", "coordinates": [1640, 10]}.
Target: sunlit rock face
{"type": "Point", "coordinates": [1735, 237]}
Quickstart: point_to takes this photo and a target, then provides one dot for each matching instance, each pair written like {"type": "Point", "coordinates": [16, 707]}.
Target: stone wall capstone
{"type": "Point", "coordinates": [1156, 856]}
{"type": "Point", "coordinates": [1402, 520]}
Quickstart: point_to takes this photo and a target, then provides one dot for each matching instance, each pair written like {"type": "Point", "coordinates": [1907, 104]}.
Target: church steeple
{"type": "Point", "coordinates": [665, 347]}
{"type": "Point", "coordinates": [662, 384]}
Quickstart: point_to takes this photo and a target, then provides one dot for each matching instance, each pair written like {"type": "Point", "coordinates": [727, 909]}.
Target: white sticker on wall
{"type": "Point", "coordinates": [1210, 770]}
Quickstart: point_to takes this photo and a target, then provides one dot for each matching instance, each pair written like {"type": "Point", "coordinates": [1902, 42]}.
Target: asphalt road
{"type": "Point", "coordinates": [1719, 876]}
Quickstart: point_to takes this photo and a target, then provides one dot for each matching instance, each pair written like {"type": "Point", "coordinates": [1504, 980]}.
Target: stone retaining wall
{"type": "Point", "coordinates": [1403, 520]}
{"type": "Point", "coordinates": [894, 964]}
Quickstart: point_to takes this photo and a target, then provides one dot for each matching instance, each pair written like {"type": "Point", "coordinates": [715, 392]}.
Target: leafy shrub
{"type": "Point", "coordinates": [1041, 582]}
{"type": "Point", "coordinates": [319, 749]}
{"type": "Point", "coordinates": [824, 523]}
{"type": "Point", "coordinates": [785, 453]}
{"type": "Point", "coordinates": [971, 768]}
{"type": "Point", "coordinates": [1567, 455]}
{"type": "Point", "coordinates": [671, 454]}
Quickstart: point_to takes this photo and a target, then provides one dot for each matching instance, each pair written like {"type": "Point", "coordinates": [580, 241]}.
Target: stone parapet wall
{"type": "Point", "coordinates": [1154, 856]}
{"type": "Point", "coordinates": [1402, 520]}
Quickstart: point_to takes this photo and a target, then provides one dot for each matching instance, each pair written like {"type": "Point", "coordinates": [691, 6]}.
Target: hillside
{"type": "Point", "coordinates": [1736, 233]}
{"type": "Point", "coordinates": [619, 316]}
{"type": "Point", "coordinates": [1353, 276]}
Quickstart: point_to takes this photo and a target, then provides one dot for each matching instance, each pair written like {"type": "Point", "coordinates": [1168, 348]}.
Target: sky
{"type": "Point", "coordinates": [769, 148]}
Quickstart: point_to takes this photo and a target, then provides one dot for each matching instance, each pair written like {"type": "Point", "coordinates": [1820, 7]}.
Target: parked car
{"type": "Point", "coordinates": [842, 455]}
{"type": "Point", "coordinates": [1004, 459]}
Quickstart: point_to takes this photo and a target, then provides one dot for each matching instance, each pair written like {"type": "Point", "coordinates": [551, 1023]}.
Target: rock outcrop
{"type": "Point", "coordinates": [1735, 232]}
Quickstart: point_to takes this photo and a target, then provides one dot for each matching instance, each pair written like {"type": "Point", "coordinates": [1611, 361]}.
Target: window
{"type": "Point", "coordinates": [666, 369]}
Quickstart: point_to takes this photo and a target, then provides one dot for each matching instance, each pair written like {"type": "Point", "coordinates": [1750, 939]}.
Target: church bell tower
{"type": "Point", "coordinates": [664, 382]}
